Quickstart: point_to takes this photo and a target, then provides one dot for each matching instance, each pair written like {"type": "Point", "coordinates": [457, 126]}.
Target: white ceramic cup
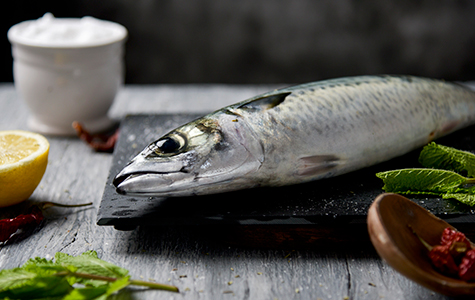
{"type": "Point", "coordinates": [67, 75]}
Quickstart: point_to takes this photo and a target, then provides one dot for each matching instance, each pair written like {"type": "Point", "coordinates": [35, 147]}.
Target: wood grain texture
{"type": "Point", "coordinates": [194, 259]}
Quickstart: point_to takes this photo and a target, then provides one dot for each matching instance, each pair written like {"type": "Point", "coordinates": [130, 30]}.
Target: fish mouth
{"type": "Point", "coordinates": [153, 183]}
{"type": "Point", "coordinates": [139, 183]}
{"type": "Point", "coordinates": [123, 181]}
{"type": "Point", "coordinates": [117, 181]}
{"type": "Point", "coordinates": [176, 184]}
{"type": "Point", "coordinates": [141, 178]}
{"type": "Point", "coordinates": [144, 177]}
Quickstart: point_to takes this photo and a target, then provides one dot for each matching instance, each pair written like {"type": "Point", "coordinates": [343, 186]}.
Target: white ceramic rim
{"type": "Point", "coordinates": [15, 39]}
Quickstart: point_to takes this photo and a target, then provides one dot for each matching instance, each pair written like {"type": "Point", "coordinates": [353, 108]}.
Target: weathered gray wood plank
{"type": "Point", "coordinates": [198, 264]}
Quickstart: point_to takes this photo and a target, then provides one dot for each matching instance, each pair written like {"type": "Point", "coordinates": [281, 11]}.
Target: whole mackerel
{"type": "Point", "coordinates": [298, 134]}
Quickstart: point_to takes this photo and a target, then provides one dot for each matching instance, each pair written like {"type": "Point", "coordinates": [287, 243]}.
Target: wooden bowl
{"type": "Point", "coordinates": [393, 221]}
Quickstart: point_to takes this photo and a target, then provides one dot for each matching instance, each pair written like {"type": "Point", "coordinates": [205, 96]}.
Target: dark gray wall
{"type": "Point", "coordinates": [266, 41]}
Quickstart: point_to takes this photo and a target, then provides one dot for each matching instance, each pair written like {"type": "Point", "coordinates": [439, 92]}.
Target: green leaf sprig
{"type": "Point", "coordinates": [448, 173]}
{"type": "Point", "coordinates": [68, 277]}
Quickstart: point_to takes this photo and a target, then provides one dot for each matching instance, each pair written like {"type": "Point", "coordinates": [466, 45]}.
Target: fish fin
{"type": "Point", "coordinates": [445, 129]}
{"type": "Point", "coordinates": [450, 126]}
{"type": "Point", "coordinates": [317, 164]}
{"type": "Point", "coordinates": [266, 102]}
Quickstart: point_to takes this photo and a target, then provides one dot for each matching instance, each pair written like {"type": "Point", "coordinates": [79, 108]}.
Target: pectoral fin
{"type": "Point", "coordinates": [317, 164]}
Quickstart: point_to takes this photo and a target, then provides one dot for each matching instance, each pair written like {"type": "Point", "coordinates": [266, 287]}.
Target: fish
{"type": "Point", "coordinates": [299, 134]}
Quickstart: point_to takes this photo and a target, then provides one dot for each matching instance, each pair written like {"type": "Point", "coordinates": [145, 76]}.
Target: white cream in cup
{"type": "Point", "coordinates": [68, 70]}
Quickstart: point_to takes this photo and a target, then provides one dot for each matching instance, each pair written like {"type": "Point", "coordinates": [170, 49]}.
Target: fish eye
{"type": "Point", "coordinates": [170, 144]}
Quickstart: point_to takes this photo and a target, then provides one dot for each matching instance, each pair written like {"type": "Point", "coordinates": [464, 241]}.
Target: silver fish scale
{"type": "Point", "coordinates": [360, 121]}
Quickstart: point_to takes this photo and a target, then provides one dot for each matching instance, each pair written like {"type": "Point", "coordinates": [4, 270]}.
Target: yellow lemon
{"type": "Point", "coordinates": [23, 160]}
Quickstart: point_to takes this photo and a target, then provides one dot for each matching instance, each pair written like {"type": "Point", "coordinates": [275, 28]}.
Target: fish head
{"type": "Point", "coordinates": [208, 155]}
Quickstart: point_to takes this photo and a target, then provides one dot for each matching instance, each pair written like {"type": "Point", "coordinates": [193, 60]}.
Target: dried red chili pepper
{"type": "Point", "coordinates": [443, 260]}
{"type": "Point", "coordinates": [98, 142]}
{"type": "Point", "coordinates": [450, 236]}
{"type": "Point", "coordinates": [456, 241]}
{"type": "Point", "coordinates": [447, 257]}
{"type": "Point", "coordinates": [9, 226]}
{"type": "Point", "coordinates": [32, 218]}
{"type": "Point", "coordinates": [467, 266]}
{"type": "Point", "coordinates": [455, 256]}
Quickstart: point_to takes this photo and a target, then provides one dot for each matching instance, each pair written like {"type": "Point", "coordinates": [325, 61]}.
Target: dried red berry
{"type": "Point", "coordinates": [450, 236]}
{"type": "Point", "coordinates": [457, 242]}
{"type": "Point", "coordinates": [443, 260]}
{"type": "Point", "coordinates": [467, 266]}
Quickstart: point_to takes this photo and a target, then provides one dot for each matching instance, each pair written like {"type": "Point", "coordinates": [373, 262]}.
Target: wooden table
{"type": "Point", "coordinates": [199, 264]}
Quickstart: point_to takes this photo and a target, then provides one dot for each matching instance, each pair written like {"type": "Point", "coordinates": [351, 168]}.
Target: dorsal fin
{"type": "Point", "coordinates": [266, 102]}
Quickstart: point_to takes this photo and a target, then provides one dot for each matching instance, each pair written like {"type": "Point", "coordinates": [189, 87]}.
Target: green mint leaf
{"type": "Point", "coordinates": [43, 266]}
{"type": "Point", "coordinates": [416, 181]}
{"type": "Point", "coordinates": [100, 292]}
{"type": "Point", "coordinates": [116, 286]}
{"type": "Point", "coordinates": [32, 276]}
{"type": "Point", "coordinates": [82, 277]}
{"type": "Point", "coordinates": [89, 263]}
{"type": "Point", "coordinates": [13, 278]}
{"type": "Point", "coordinates": [465, 198]}
{"type": "Point", "coordinates": [22, 284]}
{"type": "Point", "coordinates": [443, 176]}
{"type": "Point", "coordinates": [87, 293]}
{"type": "Point", "coordinates": [448, 158]}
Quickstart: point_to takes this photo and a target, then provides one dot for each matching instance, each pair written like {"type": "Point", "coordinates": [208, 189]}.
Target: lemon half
{"type": "Point", "coordinates": [23, 160]}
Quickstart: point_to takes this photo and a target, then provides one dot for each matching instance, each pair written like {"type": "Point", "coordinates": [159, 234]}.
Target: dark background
{"type": "Point", "coordinates": [272, 41]}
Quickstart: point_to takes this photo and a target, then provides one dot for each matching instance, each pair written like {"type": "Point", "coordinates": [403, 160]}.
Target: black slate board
{"type": "Point", "coordinates": [335, 201]}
